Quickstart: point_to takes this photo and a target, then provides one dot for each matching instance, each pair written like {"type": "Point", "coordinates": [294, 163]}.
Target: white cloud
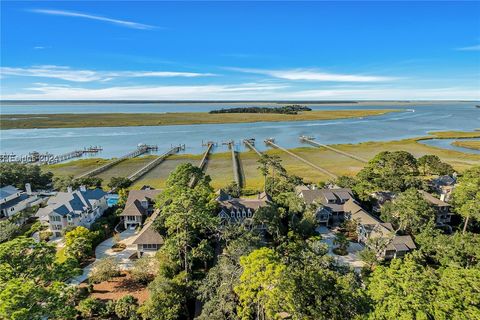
{"type": "Point", "coordinates": [124, 23]}
{"type": "Point", "coordinates": [75, 75]}
{"type": "Point", "coordinates": [471, 48]}
{"type": "Point", "coordinates": [246, 91]}
{"type": "Point", "coordinates": [54, 92]}
{"type": "Point", "coordinates": [313, 75]}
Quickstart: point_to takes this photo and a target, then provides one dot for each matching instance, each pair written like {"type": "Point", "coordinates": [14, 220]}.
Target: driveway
{"type": "Point", "coordinates": [352, 259]}
{"type": "Point", "coordinates": [104, 250]}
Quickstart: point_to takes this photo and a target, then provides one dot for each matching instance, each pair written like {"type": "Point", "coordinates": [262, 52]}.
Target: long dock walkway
{"type": "Point", "coordinates": [202, 163]}
{"type": "Point", "coordinates": [273, 144]}
{"type": "Point", "coordinates": [250, 143]}
{"type": "Point", "coordinates": [155, 162]}
{"type": "Point", "coordinates": [137, 152]}
{"type": "Point", "coordinates": [235, 165]}
{"type": "Point", "coordinates": [309, 140]}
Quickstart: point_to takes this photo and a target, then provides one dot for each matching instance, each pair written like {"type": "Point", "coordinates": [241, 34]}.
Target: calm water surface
{"type": "Point", "coordinates": [412, 121]}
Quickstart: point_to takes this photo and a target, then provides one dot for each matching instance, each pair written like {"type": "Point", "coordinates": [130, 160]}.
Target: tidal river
{"type": "Point", "coordinates": [412, 121]}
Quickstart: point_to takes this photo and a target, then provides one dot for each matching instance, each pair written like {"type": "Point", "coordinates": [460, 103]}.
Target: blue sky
{"type": "Point", "coordinates": [230, 50]}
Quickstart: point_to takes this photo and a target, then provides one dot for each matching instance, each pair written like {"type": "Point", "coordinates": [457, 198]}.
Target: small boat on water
{"type": "Point", "coordinates": [477, 106]}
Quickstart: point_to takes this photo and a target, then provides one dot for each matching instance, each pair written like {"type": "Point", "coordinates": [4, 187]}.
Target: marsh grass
{"type": "Point", "coordinates": [220, 166]}
{"type": "Point", "coordinates": [28, 121]}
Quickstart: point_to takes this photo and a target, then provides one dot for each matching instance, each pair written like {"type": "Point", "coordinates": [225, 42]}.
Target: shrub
{"type": "Point", "coordinates": [91, 307]}
{"type": "Point", "coordinates": [104, 270]}
{"type": "Point", "coordinates": [45, 235]}
{"type": "Point", "coordinates": [144, 269]}
{"type": "Point", "coordinates": [126, 307]}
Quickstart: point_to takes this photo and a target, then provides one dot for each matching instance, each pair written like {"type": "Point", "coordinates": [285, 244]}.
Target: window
{"type": "Point", "coordinates": [149, 246]}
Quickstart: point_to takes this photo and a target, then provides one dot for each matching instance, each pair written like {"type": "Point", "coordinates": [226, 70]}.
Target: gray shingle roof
{"type": "Point", "coordinates": [432, 200]}
{"type": "Point", "coordinates": [148, 234]}
{"type": "Point", "coordinates": [14, 201]}
{"type": "Point", "coordinates": [133, 209]}
{"type": "Point", "coordinates": [150, 194]}
{"type": "Point", "coordinates": [322, 196]}
{"type": "Point", "coordinates": [7, 191]}
{"type": "Point", "coordinates": [66, 202]}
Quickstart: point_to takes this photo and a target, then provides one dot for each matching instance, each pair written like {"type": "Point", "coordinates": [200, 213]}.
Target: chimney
{"type": "Point", "coordinates": [69, 189]}
{"type": "Point", "coordinates": [28, 189]}
{"type": "Point", "coordinates": [443, 196]}
{"type": "Point", "coordinates": [83, 188]}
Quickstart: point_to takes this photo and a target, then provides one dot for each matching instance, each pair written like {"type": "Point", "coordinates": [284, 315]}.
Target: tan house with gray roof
{"type": "Point", "coordinates": [330, 203]}
{"type": "Point", "coordinates": [148, 240]}
{"type": "Point", "coordinates": [138, 206]}
{"type": "Point", "coordinates": [371, 228]}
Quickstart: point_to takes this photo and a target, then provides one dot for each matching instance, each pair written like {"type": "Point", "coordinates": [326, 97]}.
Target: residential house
{"type": "Point", "coordinates": [443, 216]}
{"type": "Point", "coordinates": [330, 202]}
{"type": "Point", "coordinates": [240, 210]}
{"type": "Point", "coordinates": [380, 198]}
{"type": "Point", "coordinates": [138, 206]}
{"type": "Point", "coordinates": [13, 200]}
{"type": "Point", "coordinates": [74, 208]}
{"type": "Point", "coordinates": [444, 186]}
{"type": "Point", "coordinates": [148, 240]}
{"type": "Point", "coordinates": [372, 230]}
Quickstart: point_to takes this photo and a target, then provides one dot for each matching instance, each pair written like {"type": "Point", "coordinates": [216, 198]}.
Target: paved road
{"type": "Point", "coordinates": [104, 250]}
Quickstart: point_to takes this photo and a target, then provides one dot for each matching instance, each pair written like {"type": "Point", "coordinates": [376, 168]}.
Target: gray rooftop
{"type": "Point", "coordinates": [77, 201]}
{"type": "Point", "coordinates": [7, 191]}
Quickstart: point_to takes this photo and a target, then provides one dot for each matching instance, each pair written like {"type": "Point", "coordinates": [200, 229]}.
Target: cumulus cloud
{"type": "Point", "coordinates": [313, 75]}
{"type": "Point", "coordinates": [123, 23]}
{"type": "Point", "coordinates": [76, 75]}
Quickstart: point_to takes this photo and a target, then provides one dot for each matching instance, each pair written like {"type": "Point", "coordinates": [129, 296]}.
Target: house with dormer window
{"type": "Point", "coordinates": [239, 210]}
{"type": "Point", "coordinates": [329, 202]}
{"type": "Point", "coordinates": [74, 208]}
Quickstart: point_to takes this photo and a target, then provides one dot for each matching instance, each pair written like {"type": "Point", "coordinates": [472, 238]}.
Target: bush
{"type": "Point", "coordinates": [91, 307]}
{"type": "Point", "coordinates": [126, 307]}
{"type": "Point", "coordinates": [104, 270]}
{"type": "Point", "coordinates": [144, 269]}
{"type": "Point", "coordinates": [45, 235]}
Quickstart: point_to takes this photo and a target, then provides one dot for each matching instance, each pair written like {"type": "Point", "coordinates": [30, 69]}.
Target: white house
{"type": "Point", "coordinates": [74, 208]}
{"type": "Point", "coordinates": [13, 200]}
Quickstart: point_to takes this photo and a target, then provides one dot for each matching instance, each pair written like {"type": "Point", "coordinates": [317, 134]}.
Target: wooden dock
{"type": "Point", "coordinates": [310, 140]}
{"type": "Point", "coordinates": [271, 142]}
{"type": "Point", "coordinates": [141, 149]}
{"type": "Point", "coordinates": [235, 165]}
{"type": "Point", "coordinates": [155, 162]}
{"type": "Point", "coordinates": [250, 143]}
{"type": "Point", "coordinates": [202, 163]}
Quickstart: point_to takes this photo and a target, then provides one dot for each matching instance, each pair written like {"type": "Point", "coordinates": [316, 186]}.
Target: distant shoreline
{"type": "Point", "coordinates": [34, 121]}
{"type": "Point", "coordinates": [247, 102]}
